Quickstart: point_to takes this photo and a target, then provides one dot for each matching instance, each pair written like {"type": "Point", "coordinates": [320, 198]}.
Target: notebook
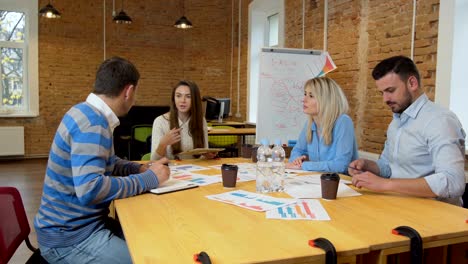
{"type": "Point", "coordinates": [199, 151]}
{"type": "Point", "coordinates": [173, 185]}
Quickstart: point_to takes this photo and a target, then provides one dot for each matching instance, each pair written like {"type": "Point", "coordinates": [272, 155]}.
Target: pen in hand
{"type": "Point", "coordinates": [151, 163]}
{"type": "Point", "coordinates": [356, 169]}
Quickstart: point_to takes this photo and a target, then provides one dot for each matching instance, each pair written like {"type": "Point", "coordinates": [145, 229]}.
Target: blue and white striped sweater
{"type": "Point", "coordinates": [82, 178]}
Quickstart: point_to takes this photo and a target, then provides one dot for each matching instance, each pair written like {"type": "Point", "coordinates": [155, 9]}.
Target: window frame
{"type": "Point", "coordinates": [449, 86]}
{"type": "Point", "coordinates": [269, 19]}
{"type": "Point", "coordinates": [30, 57]}
{"type": "Point", "coordinates": [259, 11]}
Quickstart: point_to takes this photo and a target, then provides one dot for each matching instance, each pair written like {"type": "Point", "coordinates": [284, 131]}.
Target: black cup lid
{"type": "Point", "coordinates": [330, 176]}
{"type": "Point", "coordinates": [229, 167]}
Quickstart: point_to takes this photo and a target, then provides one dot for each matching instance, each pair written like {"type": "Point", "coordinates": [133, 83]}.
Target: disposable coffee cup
{"type": "Point", "coordinates": [254, 154]}
{"type": "Point", "coordinates": [247, 151]}
{"type": "Point", "coordinates": [329, 183]}
{"type": "Point", "coordinates": [229, 175]}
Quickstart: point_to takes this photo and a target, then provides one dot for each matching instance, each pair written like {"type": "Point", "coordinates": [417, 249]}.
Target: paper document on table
{"type": "Point", "coordinates": [188, 167]}
{"type": "Point", "coordinates": [173, 185]}
{"type": "Point", "coordinates": [246, 171]}
{"type": "Point", "coordinates": [309, 187]}
{"type": "Point", "coordinates": [310, 178]}
{"type": "Point", "coordinates": [302, 210]}
{"type": "Point", "coordinates": [250, 200]}
{"type": "Point", "coordinates": [195, 178]}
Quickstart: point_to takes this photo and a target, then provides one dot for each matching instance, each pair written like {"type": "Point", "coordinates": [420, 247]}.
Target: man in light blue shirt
{"type": "Point", "coordinates": [424, 152]}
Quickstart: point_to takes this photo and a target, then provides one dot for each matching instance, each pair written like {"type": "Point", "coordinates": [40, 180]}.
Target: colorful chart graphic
{"type": "Point", "coordinates": [195, 178]}
{"type": "Point", "coordinates": [328, 66]}
{"type": "Point", "coordinates": [302, 210]}
{"type": "Point", "coordinates": [189, 167]}
{"type": "Point", "coordinates": [250, 200]}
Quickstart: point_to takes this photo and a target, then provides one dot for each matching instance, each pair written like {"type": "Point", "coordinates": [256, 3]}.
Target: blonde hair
{"type": "Point", "coordinates": [331, 103]}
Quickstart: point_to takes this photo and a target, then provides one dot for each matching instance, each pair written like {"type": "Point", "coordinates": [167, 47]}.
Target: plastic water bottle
{"type": "Point", "coordinates": [264, 173]}
{"type": "Point", "coordinates": [278, 166]}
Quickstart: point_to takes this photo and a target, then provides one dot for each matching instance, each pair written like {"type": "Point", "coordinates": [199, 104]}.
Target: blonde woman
{"type": "Point", "coordinates": [327, 142]}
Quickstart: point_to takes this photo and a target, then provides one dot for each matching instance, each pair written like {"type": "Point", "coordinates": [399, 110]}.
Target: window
{"type": "Point", "coordinates": [451, 89]}
{"type": "Point", "coordinates": [11, 57]}
{"type": "Point", "coordinates": [18, 58]}
{"type": "Point", "coordinates": [273, 22]}
{"type": "Point", "coordinates": [266, 28]}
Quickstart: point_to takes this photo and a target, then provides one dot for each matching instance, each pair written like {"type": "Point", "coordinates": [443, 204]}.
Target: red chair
{"type": "Point", "coordinates": [14, 226]}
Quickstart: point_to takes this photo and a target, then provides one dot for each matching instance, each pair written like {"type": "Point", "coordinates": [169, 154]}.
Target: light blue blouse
{"type": "Point", "coordinates": [328, 158]}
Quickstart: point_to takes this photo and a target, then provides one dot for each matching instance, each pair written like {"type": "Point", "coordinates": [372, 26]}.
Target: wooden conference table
{"type": "Point", "coordinates": [171, 228]}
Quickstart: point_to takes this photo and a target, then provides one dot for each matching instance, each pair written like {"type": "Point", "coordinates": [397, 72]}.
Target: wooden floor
{"type": "Point", "coordinates": [27, 176]}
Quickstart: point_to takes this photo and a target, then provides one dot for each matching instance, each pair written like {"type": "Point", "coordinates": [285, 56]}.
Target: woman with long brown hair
{"type": "Point", "coordinates": [183, 127]}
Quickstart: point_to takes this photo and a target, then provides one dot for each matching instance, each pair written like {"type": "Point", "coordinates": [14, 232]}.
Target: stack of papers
{"type": "Point", "coordinates": [301, 210]}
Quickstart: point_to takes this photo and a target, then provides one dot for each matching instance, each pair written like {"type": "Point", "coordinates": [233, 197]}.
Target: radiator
{"type": "Point", "coordinates": [11, 141]}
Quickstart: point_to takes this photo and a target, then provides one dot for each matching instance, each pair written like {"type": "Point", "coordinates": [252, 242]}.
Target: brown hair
{"type": "Point", "coordinates": [196, 116]}
{"type": "Point", "coordinates": [113, 75]}
{"type": "Point", "coordinates": [403, 66]}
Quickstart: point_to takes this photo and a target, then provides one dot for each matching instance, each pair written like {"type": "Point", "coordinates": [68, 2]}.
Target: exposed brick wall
{"type": "Point", "coordinates": [345, 19]}
{"type": "Point", "coordinates": [71, 48]}
{"type": "Point", "coordinates": [389, 34]}
{"type": "Point", "coordinates": [207, 46]}
{"type": "Point", "coordinates": [239, 97]}
{"type": "Point", "coordinates": [313, 26]}
{"type": "Point", "coordinates": [360, 34]}
{"type": "Point", "coordinates": [243, 100]}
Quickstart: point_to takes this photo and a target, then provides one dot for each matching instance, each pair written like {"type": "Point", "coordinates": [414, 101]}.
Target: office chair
{"type": "Point", "coordinates": [229, 143]}
{"type": "Point", "coordinates": [14, 226]}
{"type": "Point", "coordinates": [138, 141]}
{"type": "Point", "coordinates": [147, 156]}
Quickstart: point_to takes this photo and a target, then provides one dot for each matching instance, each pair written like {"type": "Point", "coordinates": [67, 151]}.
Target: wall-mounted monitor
{"type": "Point", "coordinates": [217, 108]}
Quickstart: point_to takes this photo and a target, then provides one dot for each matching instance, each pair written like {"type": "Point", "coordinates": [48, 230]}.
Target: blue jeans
{"type": "Point", "coordinates": [103, 246]}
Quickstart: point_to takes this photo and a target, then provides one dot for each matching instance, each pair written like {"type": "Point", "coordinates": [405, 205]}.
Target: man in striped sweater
{"type": "Point", "coordinates": [83, 175]}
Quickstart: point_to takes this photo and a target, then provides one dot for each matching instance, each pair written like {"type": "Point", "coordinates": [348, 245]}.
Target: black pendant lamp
{"type": "Point", "coordinates": [49, 11]}
{"type": "Point", "coordinates": [122, 17]}
{"type": "Point", "coordinates": [183, 22]}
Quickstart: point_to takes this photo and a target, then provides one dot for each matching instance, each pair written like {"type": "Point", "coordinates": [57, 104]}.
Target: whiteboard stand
{"type": "Point", "coordinates": [283, 73]}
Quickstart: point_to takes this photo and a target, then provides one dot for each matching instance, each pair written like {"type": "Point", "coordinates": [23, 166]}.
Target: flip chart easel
{"type": "Point", "coordinates": [283, 73]}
